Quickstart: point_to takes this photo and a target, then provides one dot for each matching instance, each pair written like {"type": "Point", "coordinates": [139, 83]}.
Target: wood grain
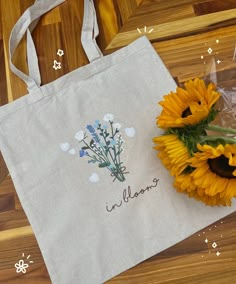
{"type": "Point", "coordinates": [183, 32]}
{"type": "Point", "coordinates": [213, 6]}
{"type": "Point", "coordinates": [175, 29]}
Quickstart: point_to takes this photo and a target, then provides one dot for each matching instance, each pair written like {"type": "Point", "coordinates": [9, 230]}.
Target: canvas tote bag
{"type": "Point", "coordinates": [80, 154]}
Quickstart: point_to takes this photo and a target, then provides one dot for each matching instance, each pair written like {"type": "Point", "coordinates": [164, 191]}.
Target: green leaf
{"type": "Point", "coordinates": [91, 142]}
{"type": "Point", "coordinates": [104, 165]}
{"type": "Point", "coordinates": [85, 148]}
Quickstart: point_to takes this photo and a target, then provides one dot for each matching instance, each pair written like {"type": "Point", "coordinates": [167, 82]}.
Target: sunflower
{"type": "Point", "coordinates": [184, 183]}
{"type": "Point", "coordinates": [209, 200]}
{"type": "Point", "coordinates": [215, 172]}
{"type": "Point", "coordinates": [172, 152]}
{"type": "Point", "coordinates": [187, 106]}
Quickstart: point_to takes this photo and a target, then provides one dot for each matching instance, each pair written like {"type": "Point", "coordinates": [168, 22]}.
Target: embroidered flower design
{"type": "Point", "coordinates": [79, 135]}
{"type": "Point", "coordinates": [117, 126]}
{"type": "Point", "coordinates": [21, 266]}
{"type": "Point", "coordinates": [82, 153]}
{"type": "Point", "coordinates": [97, 122]}
{"type": "Point", "coordinates": [104, 147]}
{"type": "Point", "coordinates": [108, 117]}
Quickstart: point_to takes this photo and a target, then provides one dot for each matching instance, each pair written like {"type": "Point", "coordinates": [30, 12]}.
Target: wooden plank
{"type": "Point", "coordinates": [126, 8]}
{"type": "Point", "coordinates": [15, 234]}
{"type": "Point", "coordinates": [12, 220]}
{"type": "Point", "coordinates": [66, 36]}
{"type": "Point", "coordinates": [182, 56]}
{"type": "Point", "coordinates": [16, 88]}
{"type": "Point", "coordinates": [7, 202]}
{"type": "Point", "coordinates": [3, 169]}
{"type": "Point", "coordinates": [6, 186]}
{"type": "Point", "coordinates": [47, 51]}
{"type": "Point", "coordinates": [36, 274]}
{"type": "Point", "coordinates": [109, 21]}
{"type": "Point", "coordinates": [167, 4]}
{"type": "Point", "coordinates": [153, 16]}
{"type": "Point", "coordinates": [0, 23]}
{"type": "Point", "coordinates": [3, 84]}
{"type": "Point", "coordinates": [213, 6]}
{"type": "Point", "coordinates": [52, 18]}
{"type": "Point", "coordinates": [70, 34]}
{"type": "Point", "coordinates": [176, 28]}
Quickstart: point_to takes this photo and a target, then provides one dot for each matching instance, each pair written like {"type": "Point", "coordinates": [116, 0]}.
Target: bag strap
{"type": "Point", "coordinates": [32, 57]}
{"type": "Point", "coordinates": [90, 32]}
{"type": "Point", "coordinates": [26, 24]}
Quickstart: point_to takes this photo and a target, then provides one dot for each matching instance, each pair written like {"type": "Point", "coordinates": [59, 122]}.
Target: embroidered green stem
{"type": "Point", "coordinates": [118, 173]}
{"type": "Point", "coordinates": [114, 147]}
{"type": "Point", "coordinates": [101, 157]}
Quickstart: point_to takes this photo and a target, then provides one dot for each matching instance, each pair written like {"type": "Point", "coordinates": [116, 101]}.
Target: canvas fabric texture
{"type": "Point", "coordinates": [79, 151]}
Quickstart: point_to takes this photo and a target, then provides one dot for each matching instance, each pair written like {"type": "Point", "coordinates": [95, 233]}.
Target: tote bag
{"type": "Point", "coordinates": [80, 154]}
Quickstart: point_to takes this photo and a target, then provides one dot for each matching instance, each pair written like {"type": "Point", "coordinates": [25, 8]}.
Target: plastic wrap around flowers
{"type": "Point", "coordinates": [203, 165]}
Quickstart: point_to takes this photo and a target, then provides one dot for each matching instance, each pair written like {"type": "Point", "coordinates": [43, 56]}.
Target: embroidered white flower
{"type": "Point", "coordinates": [108, 117]}
{"type": "Point", "coordinates": [117, 126]}
{"type": "Point", "coordinates": [79, 135]}
{"type": "Point", "coordinates": [21, 266]}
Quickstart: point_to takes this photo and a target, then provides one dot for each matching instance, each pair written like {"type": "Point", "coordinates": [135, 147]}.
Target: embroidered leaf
{"type": "Point", "coordinates": [108, 143]}
{"type": "Point", "coordinates": [91, 142]}
{"type": "Point", "coordinates": [85, 148]}
{"type": "Point", "coordinates": [91, 161]}
{"type": "Point", "coordinates": [103, 165]}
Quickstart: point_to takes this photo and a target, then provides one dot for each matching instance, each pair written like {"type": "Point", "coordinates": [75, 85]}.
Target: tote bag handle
{"type": "Point", "coordinates": [28, 21]}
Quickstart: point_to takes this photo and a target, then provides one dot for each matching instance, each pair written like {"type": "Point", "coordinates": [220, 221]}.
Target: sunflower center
{"type": "Point", "coordinates": [187, 111]}
{"type": "Point", "coordinates": [221, 167]}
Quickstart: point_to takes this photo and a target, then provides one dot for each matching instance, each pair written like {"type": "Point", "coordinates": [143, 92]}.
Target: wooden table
{"type": "Point", "coordinates": [182, 31]}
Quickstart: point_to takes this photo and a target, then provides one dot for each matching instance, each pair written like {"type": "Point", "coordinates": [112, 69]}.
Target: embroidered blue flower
{"type": "Point", "coordinates": [93, 133]}
{"type": "Point", "coordinates": [113, 142]}
{"type": "Point", "coordinates": [96, 124]}
{"type": "Point", "coordinates": [105, 127]}
{"type": "Point", "coordinates": [82, 153]}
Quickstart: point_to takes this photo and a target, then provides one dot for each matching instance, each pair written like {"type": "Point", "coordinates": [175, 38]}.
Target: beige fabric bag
{"type": "Point", "coordinates": [80, 154]}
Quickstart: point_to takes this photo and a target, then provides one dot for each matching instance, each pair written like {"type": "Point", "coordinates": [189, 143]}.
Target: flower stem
{"type": "Point", "coordinates": [96, 154]}
{"type": "Point", "coordinates": [221, 129]}
{"type": "Point", "coordinates": [105, 140]}
{"type": "Point", "coordinates": [214, 138]}
{"type": "Point", "coordinates": [114, 147]}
